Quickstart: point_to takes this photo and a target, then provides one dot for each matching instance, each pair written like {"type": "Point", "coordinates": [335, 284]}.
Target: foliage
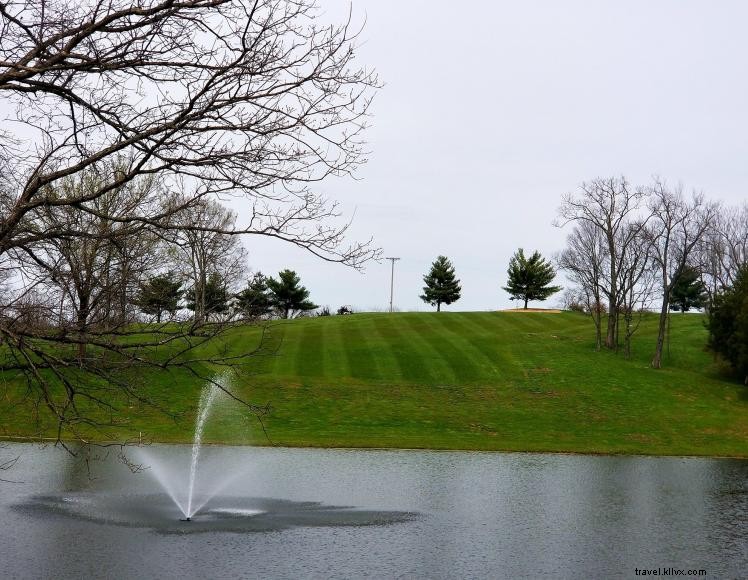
{"type": "Point", "coordinates": [254, 301]}
{"type": "Point", "coordinates": [728, 324]}
{"type": "Point", "coordinates": [288, 296]}
{"type": "Point", "coordinates": [442, 287]}
{"type": "Point", "coordinates": [160, 294]}
{"type": "Point", "coordinates": [324, 311]}
{"type": "Point", "coordinates": [345, 310]}
{"type": "Point", "coordinates": [530, 279]}
{"type": "Point", "coordinates": [688, 291]}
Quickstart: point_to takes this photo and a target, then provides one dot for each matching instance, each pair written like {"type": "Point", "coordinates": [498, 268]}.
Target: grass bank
{"type": "Point", "coordinates": [483, 381]}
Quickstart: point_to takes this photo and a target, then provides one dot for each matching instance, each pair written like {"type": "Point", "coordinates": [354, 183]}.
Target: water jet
{"type": "Point", "coordinates": [184, 490]}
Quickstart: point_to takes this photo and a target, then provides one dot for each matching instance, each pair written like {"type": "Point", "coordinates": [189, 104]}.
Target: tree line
{"type": "Point", "coordinates": [632, 250]}
{"type": "Point", "coordinates": [638, 248]}
{"type": "Point", "coordinates": [115, 275]}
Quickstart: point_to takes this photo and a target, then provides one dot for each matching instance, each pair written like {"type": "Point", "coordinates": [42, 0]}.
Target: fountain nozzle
{"type": "Point", "coordinates": [188, 519]}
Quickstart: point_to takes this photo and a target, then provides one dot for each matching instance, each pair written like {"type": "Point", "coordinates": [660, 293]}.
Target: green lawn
{"type": "Point", "coordinates": [488, 381]}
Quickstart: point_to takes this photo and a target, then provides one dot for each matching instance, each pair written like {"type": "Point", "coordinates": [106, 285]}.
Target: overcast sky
{"type": "Point", "coordinates": [492, 110]}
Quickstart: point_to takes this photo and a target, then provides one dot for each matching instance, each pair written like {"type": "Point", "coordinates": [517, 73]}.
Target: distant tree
{"type": "Point", "coordinates": [254, 300]}
{"type": "Point", "coordinates": [324, 311]}
{"type": "Point", "coordinates": [530, 278]}
{"type": "Point", "coordinates": [728, 324]}
{"type": "Point", "coordinates": [343, 310]}
{"type": "Point", "coordinates": [585, 261]}
{"type": "Point", "coordinates": [288, 296]}
{"type": "Point", "coordinates": [607, 205]}
{"type": "Point", "coordinates": [160, 294]}
{"type": "Point", "coordinates": [723, 250]}
{"type": "Point", "coordinates": [204, 251]}
{"type": "Point", "coordinates": [688, 291]}
{"type": "Point", "coordinates": [215, 297]}
{"type": "Point", "coordinates": [441, 285]}
{"type": "Point", "coordinates": [92, 276]}
{"type": "Point", "coordinates": [677, 227]}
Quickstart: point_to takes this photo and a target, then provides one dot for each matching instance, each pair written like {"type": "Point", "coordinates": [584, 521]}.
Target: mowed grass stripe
{"type": "Point", "coordinates": [483, 347]}
{"type": "Point", "coordinates": [457, 354]}
{"type": "Point", "coordinates": [494, 339]}
{"type": "Point", "coordinates": [410, 358]}
{"type": "Point", "coordinates": [337, 364]}
{"type": "Point", "coordinates": [358, 347]}
{"type": "Point", "coordinates": [382, 351]}
{"type": "Point", "coordinates": [310, 356]}
{"type": "Point", "coordinates": [284, 345]}
{"type": "Point", "coordinates": [521, 336]}
{"type": "Point", "coordinates": [521, 323]}
{"type": "Point", "coordinates": [491, 322]}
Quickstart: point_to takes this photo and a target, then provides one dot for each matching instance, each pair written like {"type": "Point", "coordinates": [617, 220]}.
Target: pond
{"type": "Point", "coordinates": [296, 513]}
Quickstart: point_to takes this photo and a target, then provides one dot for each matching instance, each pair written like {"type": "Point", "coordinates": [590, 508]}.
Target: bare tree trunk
{"type": "Point", "coordinates": [525, 302]}
{"type": "Point", "coordinates": [82, 326]}
{"type": "Point", "coordinates": [657, 359]}
{"type": "Point", "coordinates": [610, 335]}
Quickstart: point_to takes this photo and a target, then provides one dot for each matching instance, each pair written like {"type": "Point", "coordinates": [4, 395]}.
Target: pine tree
{"type": "Point", "coordinates": [688, 291]}
{"type": "Point", "coordinates": [254, 301]}
{"type": "Point", "coordinates": [216, 296]}
{"type": "Point", "coordinates": [728, 324]}
{"type": "Point", "coordinates": [287, 295]}
{"type": "Point", "coordinates": [441, 285]}
{"type": "Point", "coordinates": [529, 279]}
{"type": "Point", "coordinates": [160, 294]}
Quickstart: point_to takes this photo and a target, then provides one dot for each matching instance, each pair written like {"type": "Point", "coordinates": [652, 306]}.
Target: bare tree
{"type": "Point", "coordinates": [676, 228]}
{"type": "Point", "coordinates": [205, 251]}
{"type": "Point", "coordinates": [214, 98]}
{"type": "Point", "coordinates": [607, 204]}
{"type": "Point", "coordinates": [221, 97]}
{"type": "Point", "coordinates": [637, 280]}
{"type": "Point", "coordinates": [585, 260]}
{"type": "Point", "coordinates": [90, 274]}
{"type": "Point", "coordinates": [723, 250]}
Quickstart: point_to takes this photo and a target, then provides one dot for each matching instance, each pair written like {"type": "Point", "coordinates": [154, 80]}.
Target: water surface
{"type": "Point", "coordinates": [293, 513]}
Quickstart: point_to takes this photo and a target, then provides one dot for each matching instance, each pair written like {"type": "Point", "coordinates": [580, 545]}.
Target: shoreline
{"type": "Point", "coordinates": [20, 439]}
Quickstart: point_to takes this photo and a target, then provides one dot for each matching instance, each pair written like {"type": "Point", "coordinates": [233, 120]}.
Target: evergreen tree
{"type": "Point", "coordinates": [287, 296]}
{"type": "Point", "coordinates": [688, 291]}
{"type": "Point", "coordinates": [529, 279]}
{"type": "Point", "coordinates": [441, 285]}
{"type": "Point", "coordinates": [216, 296]}
{"type": "Point", "coordinates": [254, 301]}
{"type": "Point", "coordinates": [728, 324]}
{"type": "Point", "coordinates": [160, 294]}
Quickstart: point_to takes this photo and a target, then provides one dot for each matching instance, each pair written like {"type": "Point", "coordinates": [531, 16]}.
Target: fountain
{"type": "Point", "coordinates": [206, 402]}
{"type": "Point", "coordinates": [188, 502]}
{"type": "Point", "coordinates": [191, 481]}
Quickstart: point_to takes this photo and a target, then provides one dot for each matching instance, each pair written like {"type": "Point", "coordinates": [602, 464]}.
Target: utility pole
{"type": "Point", "coordinates": [392, 279]}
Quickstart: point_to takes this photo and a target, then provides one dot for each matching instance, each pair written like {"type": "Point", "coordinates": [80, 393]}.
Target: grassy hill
{"type": "Point", "coordinates": [487, 381]}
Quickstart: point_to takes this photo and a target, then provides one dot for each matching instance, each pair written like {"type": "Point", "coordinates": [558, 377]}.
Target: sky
{"type": "Point", "coordinates": [491, 111]}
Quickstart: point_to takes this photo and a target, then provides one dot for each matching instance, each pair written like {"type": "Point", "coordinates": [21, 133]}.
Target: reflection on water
{"type": "Point", "coordinates": [345, 513]}
{"type": "Point", "coordinates": [223, 514]}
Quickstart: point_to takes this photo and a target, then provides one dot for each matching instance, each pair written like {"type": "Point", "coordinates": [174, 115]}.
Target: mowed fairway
{"type": "Point", "coordinates": [497, 381]}
{"type": "Point", "coordinates": [474, 380]}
